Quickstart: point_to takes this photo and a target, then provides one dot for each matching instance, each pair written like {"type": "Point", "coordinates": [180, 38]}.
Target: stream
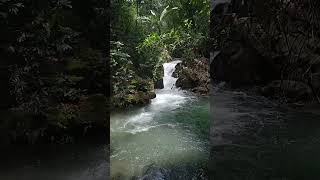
{"type": "Point", "coordinates": [167, 139]}
{"type": "Point", "coordinates": [240, 136]}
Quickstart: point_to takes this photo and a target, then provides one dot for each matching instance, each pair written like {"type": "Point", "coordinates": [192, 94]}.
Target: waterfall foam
{"type": "Point", "coordinates": [169, 81]}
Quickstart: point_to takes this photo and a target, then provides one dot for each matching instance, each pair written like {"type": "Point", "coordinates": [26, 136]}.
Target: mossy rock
{"type": "Point", "coordinates": [135, 99]}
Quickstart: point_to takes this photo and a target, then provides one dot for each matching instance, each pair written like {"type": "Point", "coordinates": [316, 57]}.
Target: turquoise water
{"type": "Point", "coordinates": [173, 136]}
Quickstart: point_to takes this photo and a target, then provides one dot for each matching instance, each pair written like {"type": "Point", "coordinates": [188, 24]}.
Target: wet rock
{"type": "Point", "coordinates": [159, 84]}
{"type": "Point", "coordinates": [177, 71]}
{"type": "Point", "coordinates": [186, 80]}
{"type": "Point", "coordinates": [194, 76]}
{"type": "Point", "coordinates": [200, 90]}
{"type": "Point", "coordinates": [155, 174]}
{"type": "Point", "coordinates": [242, 65]}
{"type": "Point", "coordinates": [292, 89]}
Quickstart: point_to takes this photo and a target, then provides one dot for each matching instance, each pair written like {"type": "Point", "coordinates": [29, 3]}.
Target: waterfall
{"type": "Point", "coordinates": [155, 136]}
{"type": "Point", "coordinates": [167, 99]}
{"type": "Point", "coordinates": [169, 81]}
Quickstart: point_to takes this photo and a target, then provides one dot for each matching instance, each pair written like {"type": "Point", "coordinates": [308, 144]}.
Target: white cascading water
{"type": "Point", "coordinates": [167, 99]}
{"type": "Point", "coordinates": [168, 80]}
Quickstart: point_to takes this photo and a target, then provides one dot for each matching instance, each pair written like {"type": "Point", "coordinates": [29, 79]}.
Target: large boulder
{"type": "Point", "coordinates": [194, 76]}
{"type": "Point", "coordinates": [241, 65]}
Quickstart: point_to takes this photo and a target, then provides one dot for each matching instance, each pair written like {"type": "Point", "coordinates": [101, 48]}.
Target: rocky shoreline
{"type": "Point", "coordinates": [196, 76]}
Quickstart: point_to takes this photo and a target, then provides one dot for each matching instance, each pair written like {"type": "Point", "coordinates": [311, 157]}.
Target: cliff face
{"type": "Point", "coordinates": [264, 42]}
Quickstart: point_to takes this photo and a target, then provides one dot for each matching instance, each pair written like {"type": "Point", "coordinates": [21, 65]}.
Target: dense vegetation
{"type": "Point", "coordinates": [144, 35]}
{"type": "Point", "coordinates": [272, 43]}
{"type": "Point", "coordinates": [53, 69]}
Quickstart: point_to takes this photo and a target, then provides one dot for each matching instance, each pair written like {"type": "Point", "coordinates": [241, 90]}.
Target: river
{"type": "Point", "coordinates": [251, 137]}
{"type": "Point", "coordinates": [240, 136]}
{"type": "Point", "coordinates": [167, 139]}
{"type": "Point", "coordinates": [254, 138]}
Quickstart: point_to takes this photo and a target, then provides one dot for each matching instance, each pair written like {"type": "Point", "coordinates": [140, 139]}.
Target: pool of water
{"type": "Point", "coordinates": [164, 140]}
{"type": "Point", "coordinates": [252, 137]}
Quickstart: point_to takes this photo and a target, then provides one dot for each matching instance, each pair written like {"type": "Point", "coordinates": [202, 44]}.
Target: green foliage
{"type": "Point", "coordinates": [53, 56]}
{"type": "Point", "coordinates": [65, 89]}
{"type": "Point", "coordinates": [121, 70]}
{"type": "Point", "coordinates": [150, 51]}
{"type": "Point", "coordinates": [153, 32]}
{"type": "Point", "coordinates": [66, 114]}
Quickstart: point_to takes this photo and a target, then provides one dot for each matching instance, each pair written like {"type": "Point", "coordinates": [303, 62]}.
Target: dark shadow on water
{"type": "Point", "coordinates": [253, 138]}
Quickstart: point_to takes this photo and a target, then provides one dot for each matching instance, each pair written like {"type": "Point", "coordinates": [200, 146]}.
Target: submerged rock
{"type": "Point", "coordinates": [155, 174]}
{"type": "Point", "coordinates": [175, 172]}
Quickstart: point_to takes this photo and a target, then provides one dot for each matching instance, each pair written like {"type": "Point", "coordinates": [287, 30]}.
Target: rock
{"type": "Point", "coordinates": [152, 95]}
{"type": "Point", "coordinates": [155, 174]}
{"type": "Point", "coordinates": [186, 80]}
{"type": "Point", "coordinates": [159, 84]}
{"type": "Point", "coordinates": [292, 89]}
{"type": "Point", "coordinates": [140, 98]}
{"type": "Point", "coordinates": [177, 70]}
{"type": "Point", "coordinates": [201, 90]}
{"type": "Point", "coordinates": [194, 76]}
{"type": "Point", "coordinates": [241, 65]}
